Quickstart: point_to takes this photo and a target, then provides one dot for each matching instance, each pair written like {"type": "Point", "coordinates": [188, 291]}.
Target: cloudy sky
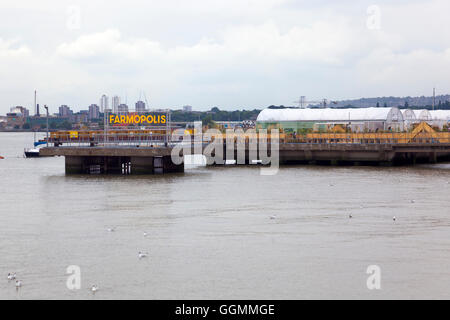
{"type": "Point", "coordinates": [231, 54]}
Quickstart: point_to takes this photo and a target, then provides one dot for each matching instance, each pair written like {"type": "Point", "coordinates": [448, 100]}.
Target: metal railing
{"type": "Point", "coordinates": [146, 139]}
{"type": "Point", "coordinates": [370, 138]}
{"type": "Point", "coordinates": [109, 140]}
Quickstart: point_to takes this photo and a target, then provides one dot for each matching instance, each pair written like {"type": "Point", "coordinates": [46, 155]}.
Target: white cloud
{"type": "Point", "coordinates": [416, 71]}
{"type": "Point", "coordinates": [108, 44]}
{"type": "Point", "coordinates": [239, 57]}
{"type": "Point", "coordinates": [226, 53]}
{"type": "Point", "coordinates": [9, 49]}
{"type": "Point", "coordinates": [322, 42]}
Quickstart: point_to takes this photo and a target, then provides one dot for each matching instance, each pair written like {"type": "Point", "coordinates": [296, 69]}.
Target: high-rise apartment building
{"type": "Point", "coordinates": [104, 103]}
{"type": "Point", "coordinates": [64, 111]}
{"type": "Point", "coordinates": [115, 102]}
{"type": "Point", "coordinates": [94, 111]}
{"type": "Point", "coordinates": [122, 109]}
{"type": "Point", "coordinates": [140, 107]}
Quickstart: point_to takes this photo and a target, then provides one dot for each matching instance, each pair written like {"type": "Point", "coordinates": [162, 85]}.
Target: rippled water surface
{"type": "Point", "coordinates": [210, 234]}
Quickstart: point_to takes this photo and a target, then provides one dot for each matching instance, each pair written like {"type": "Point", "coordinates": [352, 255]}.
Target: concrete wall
{"type": "Point", "coordinates": [121, 165]}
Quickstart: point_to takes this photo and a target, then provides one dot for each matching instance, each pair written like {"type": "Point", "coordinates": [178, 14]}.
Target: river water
{"type": "Point", "coordinates": [223, 232]}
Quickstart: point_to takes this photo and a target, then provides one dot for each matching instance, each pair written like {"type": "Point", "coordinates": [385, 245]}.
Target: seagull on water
{"type": "Point", "coordinates": [394, 218]}
{"type": "Point", "coordinates": [273, 217]}
{"type": "Point", "coordinates": [142, 255]}
{"type": "Point", "coordinates": [145, 234]}
{"type": "Point", "coordinates": [111, 229]}
{"type": "Point", "coordinates": [350, 216]}
{"type": "Point", "coordinates": [11, 276]}
{"type": "Point", "coordinates": [94, 288]}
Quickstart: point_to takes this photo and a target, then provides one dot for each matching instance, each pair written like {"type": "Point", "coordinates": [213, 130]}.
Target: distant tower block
{"type": "Point", "coordinates": [104, 103]}
{"type": "Point", "coordinates": [140, 106]}
{"type": "Point", "coordinates": [115, 102]}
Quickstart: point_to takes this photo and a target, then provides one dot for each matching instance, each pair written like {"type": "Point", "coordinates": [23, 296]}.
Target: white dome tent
{"type": "Point", "coordinates": [440, 118]}
{"type": "Point", "coordinates": [360, 119]}
{"type": "Point", "coordinates": [423, 115]}
{"type": "Point", "coordinates": [409, 117]}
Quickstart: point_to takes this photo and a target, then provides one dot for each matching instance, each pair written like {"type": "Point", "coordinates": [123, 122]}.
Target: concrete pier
{"type": "Point", "coordinates": [365, 153]}
{"type": "Point", "coordinates": [157, 160]}
{"type": "Point", "coordinates": [355, 154]}
{"type": "Point", "coordinates": [115, 160]}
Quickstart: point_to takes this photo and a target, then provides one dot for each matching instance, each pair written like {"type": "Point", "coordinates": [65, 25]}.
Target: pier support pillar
{"type": "Point", "coordinates": [74, 165]}
{"type": "Point", "coordinates": [433, 157]}
{"type": "Point", "coordinates": [112, 165]}
{"type": "Point", "coordinates": [142, 165]}
{"type": "Point", "coordinates": [169, 166]}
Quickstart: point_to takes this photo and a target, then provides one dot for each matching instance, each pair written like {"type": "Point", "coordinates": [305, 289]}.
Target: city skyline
{"type": "Point", "coordinates": [142, 106]}
{"type": "Point", "coordinates": [252, 54]}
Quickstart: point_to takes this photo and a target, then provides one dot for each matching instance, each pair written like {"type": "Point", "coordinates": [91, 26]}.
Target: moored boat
{"type": "Point", "coordinates": [34, 152]}
{"type": "Point", "coordinates": [31, 153]}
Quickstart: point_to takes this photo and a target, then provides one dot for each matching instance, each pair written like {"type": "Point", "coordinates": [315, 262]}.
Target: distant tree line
{"type": "Point", "coordinates": [439, 106]}
{"type": "Point", "coordinates": [215, 114]}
